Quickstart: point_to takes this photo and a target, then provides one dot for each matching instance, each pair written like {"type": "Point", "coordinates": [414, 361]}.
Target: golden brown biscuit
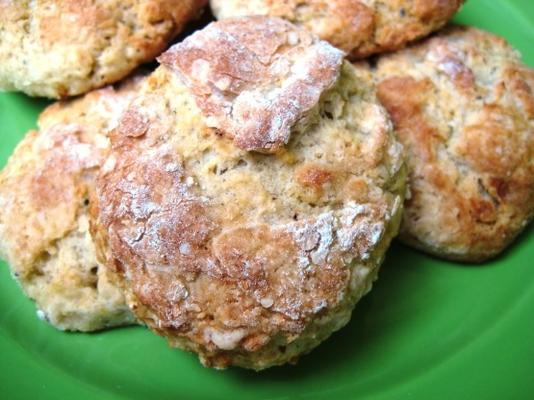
{"type": "Point", "coordinates": [463, 106]}
{"type": "Point", "coordinates": [359, 27]}
{"type": "Point", "coordinates": [246, 258]}
{"type": "Point", "coordinates": [64, 48]}
{"type": "Point", "coordinates": [44, 195]}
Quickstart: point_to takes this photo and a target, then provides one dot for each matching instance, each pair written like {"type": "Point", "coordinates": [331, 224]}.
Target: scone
{"type": "Point", "coordinates": [251, 192]}
{"type": "Point", "coordinates": [64, 48]}
{"type": "Point", "coordinates": [463, 106]}
{"type": "Point", "coordinates": [359, 27]}
{"type": "Point", "coordinates": [44, 199]}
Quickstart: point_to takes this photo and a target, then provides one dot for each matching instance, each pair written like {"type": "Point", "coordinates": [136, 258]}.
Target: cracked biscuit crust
{"type": "Point", "coordinates": [359, 27]}
{"type": "Point", "coordinates": [463, 106]}
{"type": "Point", "coordinates": [64, 48]}
{"type": "Point", "coordinates": [248, 259]}
{"type": "Point", "coordinates": [255, 87]}
{"type": "Point", "coordinates": [44, 227]}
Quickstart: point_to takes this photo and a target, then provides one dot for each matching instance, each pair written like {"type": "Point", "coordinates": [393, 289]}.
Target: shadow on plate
{"type": "Point", "coordinates": [518, 242]}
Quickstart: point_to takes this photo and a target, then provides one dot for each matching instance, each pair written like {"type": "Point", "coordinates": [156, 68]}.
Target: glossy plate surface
{"type": "Point", "coordinates": [428, 330]}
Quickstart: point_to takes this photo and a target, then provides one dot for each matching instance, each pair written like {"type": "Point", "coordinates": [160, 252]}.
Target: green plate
{"type": "Point", "coordinates": [429, 329]}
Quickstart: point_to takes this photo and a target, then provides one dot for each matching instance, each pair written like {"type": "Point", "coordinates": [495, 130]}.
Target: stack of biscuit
{"type": "Point", "coordinates": [239, 199]}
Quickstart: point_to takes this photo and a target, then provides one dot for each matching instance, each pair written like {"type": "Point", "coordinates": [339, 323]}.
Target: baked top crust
{"type": "Point", "coordinates": [255, 85]}
{"type": "Point", "coordinates": [64, 48]}
{"type": "Point", "coordinates": [359, 27]}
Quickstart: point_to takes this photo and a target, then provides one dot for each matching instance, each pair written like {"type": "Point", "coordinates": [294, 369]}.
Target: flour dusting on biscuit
{"type": "Point", "coordinates": [255, 78]}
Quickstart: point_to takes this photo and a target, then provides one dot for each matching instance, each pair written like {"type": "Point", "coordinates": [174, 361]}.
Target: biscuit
{"type": "Point", "coordinates": [64, 48]}
{"type": "Point", "coordinates": [242, 235]}
{"type": "Point", "coordinates": [463, 106]}
{"type": "Point", "coordinates": [359, 27]}
{"type": "Point", "coordinates": [44, 195]}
